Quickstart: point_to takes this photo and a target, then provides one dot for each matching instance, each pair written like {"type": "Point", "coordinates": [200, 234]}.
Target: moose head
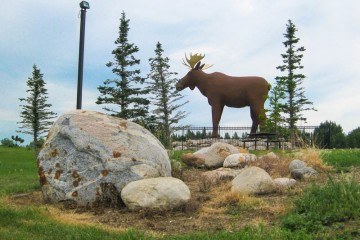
{"type": "Point", "coordinates": [194, 63]}
{"type": "Point", "coordinates": [223, 90]}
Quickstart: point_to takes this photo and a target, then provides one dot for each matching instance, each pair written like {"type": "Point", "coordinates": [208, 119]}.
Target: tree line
{"type": "Point", "coordinates": [153, 102]}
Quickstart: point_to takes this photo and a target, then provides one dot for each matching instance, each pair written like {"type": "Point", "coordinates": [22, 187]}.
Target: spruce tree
{"type": "Point", "coordinates": [295, 101]}
{"type": "Point", "coordinates": [165, 98]}
{"type": "Point", "coordinates": [124, 91]}
{"type": "Point", "coordinates": [275, 119]}
{"type": "Point", "coordinates": [35, 114]}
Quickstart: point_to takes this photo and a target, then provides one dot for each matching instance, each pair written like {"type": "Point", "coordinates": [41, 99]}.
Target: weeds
{"type": "Point", "coordinates": [324, 206]}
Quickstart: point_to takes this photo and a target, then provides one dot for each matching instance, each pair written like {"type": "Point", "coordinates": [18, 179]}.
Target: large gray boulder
{"type": "Point", "coordinates": [88, 155]}
{"type": "Point", "coordinates": [163, 193]}
{"type": "Point", "coordinates": [253, 180]}
{"type": "Point", "coordinates": [210, 157]}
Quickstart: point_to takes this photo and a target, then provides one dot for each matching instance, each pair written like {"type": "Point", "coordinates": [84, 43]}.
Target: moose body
{"type": "Point", "coordinates": [223, 90]}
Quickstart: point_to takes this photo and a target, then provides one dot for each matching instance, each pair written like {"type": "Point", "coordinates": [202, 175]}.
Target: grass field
{"type": "Point", "coordinates": [18, 171]}
{"type": "Point", "coordinates": [342, 159]}
{"type": "Point", "coordinates": [327, 211]}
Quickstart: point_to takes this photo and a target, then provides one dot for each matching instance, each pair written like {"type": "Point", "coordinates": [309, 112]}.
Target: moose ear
{"type": "Point", "coordinates": [197, 65]}
{"type": "Point", "coordinates": [201, 67]}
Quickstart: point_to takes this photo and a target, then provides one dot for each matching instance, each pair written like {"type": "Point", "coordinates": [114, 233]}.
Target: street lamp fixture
{"type": "Point", "coordinates": [84, 5]}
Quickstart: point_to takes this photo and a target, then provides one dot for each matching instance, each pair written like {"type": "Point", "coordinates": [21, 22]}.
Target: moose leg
{"type": "Point", "coordinates": [258, 116]}
{"type": "Point", "coordinates": [216, 116]}
{"type": "Point", "coordinates": [255, 113]}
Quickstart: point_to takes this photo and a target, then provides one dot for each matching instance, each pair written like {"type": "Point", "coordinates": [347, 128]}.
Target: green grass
{"type": "Point", "coordinates": [247, 233]}
{"type": "Point", "coordinates": [18, 170]}
{"type": "Point", "coordinates": [342, 159]}
{"type": "Point", "coordinates": [322, 212]}
{"type": "Point", "coordinates": [324, 208]}
{"type": "Point", "coordinates": [33, 223]}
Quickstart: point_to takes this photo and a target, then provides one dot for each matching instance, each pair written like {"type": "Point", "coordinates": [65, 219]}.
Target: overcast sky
{"type": "Point", "coordinates": [240, 37]}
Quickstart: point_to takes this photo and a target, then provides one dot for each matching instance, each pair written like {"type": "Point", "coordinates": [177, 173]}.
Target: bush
{"type": "Point", "coordinates": [6, 142]}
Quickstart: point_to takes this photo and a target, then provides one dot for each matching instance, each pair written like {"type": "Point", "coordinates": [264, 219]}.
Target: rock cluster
{"type": "Point", "coordinates": [88, 155]}
{"type": "Point", "coordinates": [245, 179]}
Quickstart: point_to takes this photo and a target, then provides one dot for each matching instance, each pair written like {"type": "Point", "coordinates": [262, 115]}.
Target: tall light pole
{"type": "Point", "coordinates": [83, 5]}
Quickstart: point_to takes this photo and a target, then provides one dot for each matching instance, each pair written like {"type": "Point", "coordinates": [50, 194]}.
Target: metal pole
{"type": "Point", "coordinates": [81, 59]}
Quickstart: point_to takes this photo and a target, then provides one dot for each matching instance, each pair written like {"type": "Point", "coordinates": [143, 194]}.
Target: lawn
{"type": "Point", "coordinates": [18, 170]}
{"type": "Point", "coordinates": [326, 211]}
{"type": "Point", "coordinates": [342, 159]}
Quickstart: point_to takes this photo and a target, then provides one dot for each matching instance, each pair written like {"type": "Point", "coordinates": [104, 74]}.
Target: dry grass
{"type": "Point", "coordinates": [275, 167]}
{"type": "Point", "coordinates": [312, 156]}
{"type": "Point", "coordinates": [280, 167]}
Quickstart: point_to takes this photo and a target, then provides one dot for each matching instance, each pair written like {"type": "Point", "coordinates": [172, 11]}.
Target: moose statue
{"type": "Point", "coordinates": [223, 90]}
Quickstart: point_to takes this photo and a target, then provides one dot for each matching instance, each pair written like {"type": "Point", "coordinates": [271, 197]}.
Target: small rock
{"type": "Point", "coordinates": [162, 193]}
{"type": "Point", "coordinates": [253, 180]}
{"type": "Point", "coordinates": [239, 160]}
{"type": "Point", "coordinates": [211, 178]}
{"type": "Point", "coordinates": [212, 156]}
{"type": "Point", "coordinates": [284, 182]}
{"type": "Point", "coordinates": [304, 172]}
{"type": "Point", "coordinates": [269, 156]}
{"type": "Point", "coordinates": [296, 164]}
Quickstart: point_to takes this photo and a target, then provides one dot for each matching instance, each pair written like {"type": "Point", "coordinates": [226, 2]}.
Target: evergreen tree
{"type": "Point", "coordinates": [165, 98]}
{"type": "Point", "coordinates": [329, 135]}
{"type": "Point", "coordinates": [35, 114]}
{"type": "Point", "coordinates": [124, 91]}
{"type": "Point", "coordinates": [227, 135]}
{"type": "Point", "coordinates": [295, 101]}
{"type": "Point", "coordinates": [235, 136]}
{"type": "Point", "coordinates": [275, 119]}
{"type": "Point", "coordinates": [353, 138]}
{"type": "Point", "coordinates": [203, 133]}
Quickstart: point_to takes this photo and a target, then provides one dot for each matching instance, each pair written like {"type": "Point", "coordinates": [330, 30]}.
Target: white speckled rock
{"type": "Point", "coordinates": [212, 156]}
{"type": "Point", "coordinates": [284, 182]}
{"type": "Point", "coordinates": [239, 160]}
{"type": "Point", "coordinates": [86, 150]}
{"type": "Point", "coordinates": [155, 193]}
{"type": "Point", "coordinates": [253, 180]}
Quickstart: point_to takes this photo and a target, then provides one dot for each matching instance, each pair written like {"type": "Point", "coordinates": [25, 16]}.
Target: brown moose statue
{"type": "Point", "coordinates": [223, 90]}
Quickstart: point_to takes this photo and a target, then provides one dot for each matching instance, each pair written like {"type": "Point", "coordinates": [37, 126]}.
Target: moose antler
{"type": "Point", "coordinates": [194, 59]}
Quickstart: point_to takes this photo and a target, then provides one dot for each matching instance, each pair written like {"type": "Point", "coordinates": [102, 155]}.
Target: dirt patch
{"type": "Point", "coordinates": [211, 211]}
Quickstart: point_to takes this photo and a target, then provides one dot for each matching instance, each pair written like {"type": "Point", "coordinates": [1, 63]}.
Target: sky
{"type": "Point", "coordinates": [240, 37]}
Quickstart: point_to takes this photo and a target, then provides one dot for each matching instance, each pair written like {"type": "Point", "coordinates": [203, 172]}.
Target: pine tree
{"type": "Point", "coordinates": [295, 100]}
{"type": "Point", "coordinates": [124, 91]}
{"type": "Point", "coordinates": [275, 119]}
{"type": "Point", "coordinates": [165, 97]}
{"type": "Point", "coordinates": [35, 114]}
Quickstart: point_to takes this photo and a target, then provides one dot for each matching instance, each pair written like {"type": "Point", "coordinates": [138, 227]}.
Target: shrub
{"type": "Point", "coordinates": [6, 142]}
